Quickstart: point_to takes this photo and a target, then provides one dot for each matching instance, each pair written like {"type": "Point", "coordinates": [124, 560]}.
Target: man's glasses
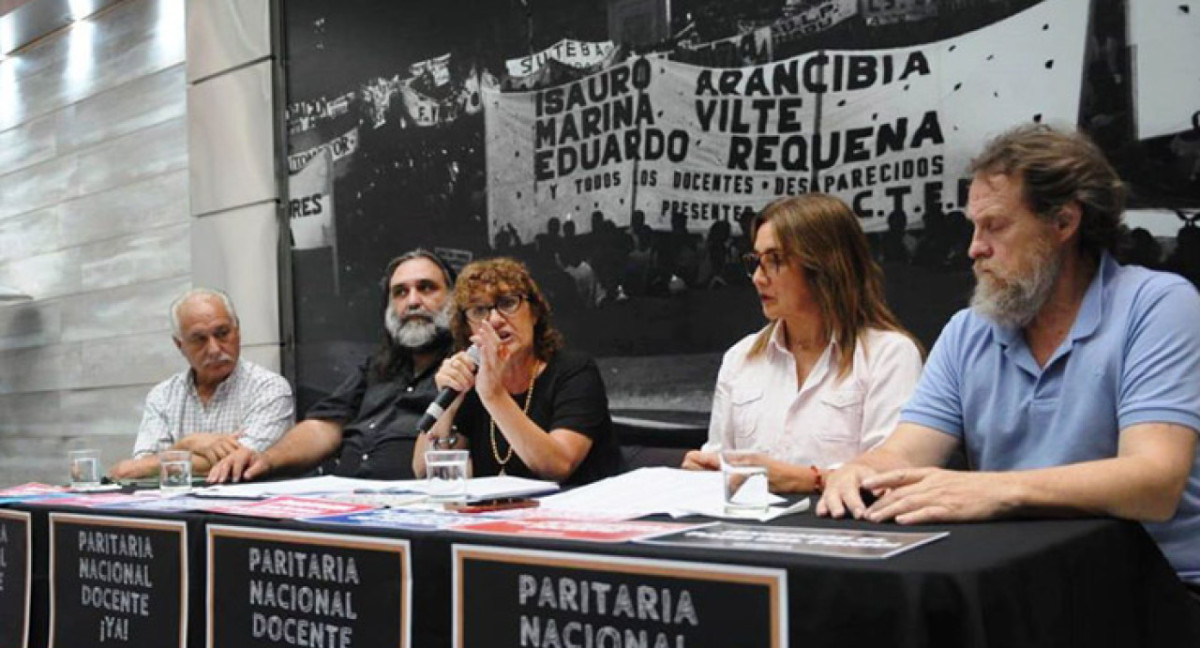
{"type": "Point", "coordinates": [772, 262]}
{"type": "Point", "coordinates": [505, 305]}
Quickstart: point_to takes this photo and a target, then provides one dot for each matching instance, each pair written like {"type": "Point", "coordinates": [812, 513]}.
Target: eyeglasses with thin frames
{"type": "Point", "coordinates": [772, 261]}
{"type": "Point", "coordinates": [505, 305]}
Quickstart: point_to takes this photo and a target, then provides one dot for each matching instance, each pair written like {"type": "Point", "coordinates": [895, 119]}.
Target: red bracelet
{"type": "Point", "coordinates": [818, 481]}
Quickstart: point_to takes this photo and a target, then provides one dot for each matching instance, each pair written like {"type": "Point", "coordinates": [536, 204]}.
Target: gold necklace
{"type": "Point", "coordinates": [492, 424]}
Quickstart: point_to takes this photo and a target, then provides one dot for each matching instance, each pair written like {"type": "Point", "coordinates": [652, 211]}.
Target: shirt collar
{"type": "Point", "coordinates": [443, 352]}
{"type": "Point", "coordinates": [778, 345]}
{"type": "Point", "coordinates": [1090, 311]}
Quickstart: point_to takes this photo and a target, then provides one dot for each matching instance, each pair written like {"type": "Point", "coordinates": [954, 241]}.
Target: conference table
{"type": "Point", "coordinates": [1077, 582]}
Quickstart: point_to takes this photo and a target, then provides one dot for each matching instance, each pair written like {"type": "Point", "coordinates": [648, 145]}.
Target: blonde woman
{"type": "Point", "coordinates": [825, 380]}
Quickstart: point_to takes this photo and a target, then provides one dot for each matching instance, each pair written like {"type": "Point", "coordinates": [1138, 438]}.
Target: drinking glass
{"type": "Point", "coordinates": [746, 483]}
{"type": "Point", "coordinates": [85, 467]}
{"type": "Point", "coordinates": [446, 473]}
{"type": "Point", "coordinates": [174, 472]}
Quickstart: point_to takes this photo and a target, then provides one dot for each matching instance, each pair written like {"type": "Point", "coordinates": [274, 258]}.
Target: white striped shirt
{"type": "Point", "coordinates": [252, 400]}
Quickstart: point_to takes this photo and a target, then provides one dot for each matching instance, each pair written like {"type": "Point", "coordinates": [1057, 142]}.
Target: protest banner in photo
{"type": "Point", "coordinates": [438, 69]}
{"type": "Point", "coordinates": [421, 110]}
{"type": "Point", "coordinates": [884, 130]}
{"type": "Point", "coordinates": [340, 148]}
{"type": "Point", "coordinates": [748, 48]}
{"type": "Point", "coordinates": [310, 204]}
{"type": "Point", "coordinates": [886, 12]}
{"type": "Point", "coordinates": [569, 51]}
{"type": "Point", "coordinates": [815, 18]}
{"type": "Point", "coordinates": [1166, 39]}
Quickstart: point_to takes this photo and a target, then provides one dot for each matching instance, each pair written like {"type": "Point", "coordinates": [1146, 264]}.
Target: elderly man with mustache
{"type": "Point", "coordinates": [370, 421]}
{"type": "Point", "coordinates": [222, 403]}
{"type": "Point", "coordinates": [1072, 382]}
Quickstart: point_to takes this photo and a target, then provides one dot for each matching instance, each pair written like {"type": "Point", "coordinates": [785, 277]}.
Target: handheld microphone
{"type": "Point", "coordinates": [444, 398]}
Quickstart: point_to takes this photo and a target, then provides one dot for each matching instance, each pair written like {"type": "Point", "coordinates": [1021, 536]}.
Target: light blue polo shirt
{"type": "Point", "coordinates": [1132, 356]}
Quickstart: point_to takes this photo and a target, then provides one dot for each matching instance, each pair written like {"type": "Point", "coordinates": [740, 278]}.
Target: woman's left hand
{"type": "Point", "coordinates": [786, 477]}
{"type": "Point", "coordinates": [701, 460]}
{"type": "Point", "coordinates": [493, 359]}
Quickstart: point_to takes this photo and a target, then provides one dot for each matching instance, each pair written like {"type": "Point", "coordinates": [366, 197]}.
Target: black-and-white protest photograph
{"type": "Point", "coordinates": [620, 150]}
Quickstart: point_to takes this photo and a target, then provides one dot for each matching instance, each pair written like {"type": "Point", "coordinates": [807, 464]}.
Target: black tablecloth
{"type": "Point", "coordinates": [1060, 583]}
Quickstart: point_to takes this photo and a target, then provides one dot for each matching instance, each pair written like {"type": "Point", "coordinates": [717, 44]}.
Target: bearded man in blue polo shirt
{"type": "Point", "coordinates": [1072, 382]}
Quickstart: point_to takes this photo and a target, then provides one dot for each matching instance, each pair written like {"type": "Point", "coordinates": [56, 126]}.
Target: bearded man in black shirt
{"type": "Point", "coordinates": [370, 421]}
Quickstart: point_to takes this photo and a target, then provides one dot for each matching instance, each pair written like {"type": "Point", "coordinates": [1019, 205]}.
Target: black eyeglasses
{"type": "Point", "coordinates": [505, 305]}
{"type": "Point", "coordinates": [772, 262]}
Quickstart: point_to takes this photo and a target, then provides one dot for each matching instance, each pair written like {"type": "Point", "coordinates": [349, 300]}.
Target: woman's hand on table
{"type": "Point", "coordinates": [701, 460]}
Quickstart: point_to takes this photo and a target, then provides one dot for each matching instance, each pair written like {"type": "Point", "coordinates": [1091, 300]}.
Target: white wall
{"type": "Point", "coordinates": [232, 167]}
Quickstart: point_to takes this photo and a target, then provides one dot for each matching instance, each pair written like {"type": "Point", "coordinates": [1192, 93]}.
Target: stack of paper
{"type": "Point", "coordinates": [657, 491]}
{"type": "Point", "coordinates": [477, 489]}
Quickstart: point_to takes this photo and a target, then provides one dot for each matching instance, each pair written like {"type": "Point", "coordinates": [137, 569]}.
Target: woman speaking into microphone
{"type": "Point", "coordinates": [528, 408]}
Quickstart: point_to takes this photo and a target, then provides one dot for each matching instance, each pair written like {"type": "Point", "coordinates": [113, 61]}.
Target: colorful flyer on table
{"type": "Point", "coordinates": [585, 530]}
{"type": "Point", "coordinates": [406, 519]}
{"type": "Point", "coordinates": [835, 543]}
{"type": "Point", "coordinates": [168, 504]}
{"type": "Point", "coordinates": [540, 513]}
{"type": "Point", "coordinates": [31, 488]}
{"type": "Point", "coordinates": [288, 508]}
{"type": "Point", "coordinates": [31, 491]}
{"type": "Point", "coordinates": [90, 500]}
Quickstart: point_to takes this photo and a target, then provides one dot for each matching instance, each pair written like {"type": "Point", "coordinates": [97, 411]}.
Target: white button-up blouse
{"type": "Point", "coordinates": [824, 422]}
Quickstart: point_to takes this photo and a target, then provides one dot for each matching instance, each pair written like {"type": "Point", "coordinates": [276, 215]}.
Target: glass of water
{"type": "Point", "coordinates": [174, 472]}
{"type": "Point", "coordinates": [747, 489]}
{"type": "Point", "coordinates": [446, 473]}
{"type": "Point", "coordinates": [85, 468]}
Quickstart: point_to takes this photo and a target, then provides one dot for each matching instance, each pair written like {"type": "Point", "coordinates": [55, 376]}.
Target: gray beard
{"type": "Point", "coordinates": [421, 329]}
{"type": "Point", "coordinates": [1015, 302]}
